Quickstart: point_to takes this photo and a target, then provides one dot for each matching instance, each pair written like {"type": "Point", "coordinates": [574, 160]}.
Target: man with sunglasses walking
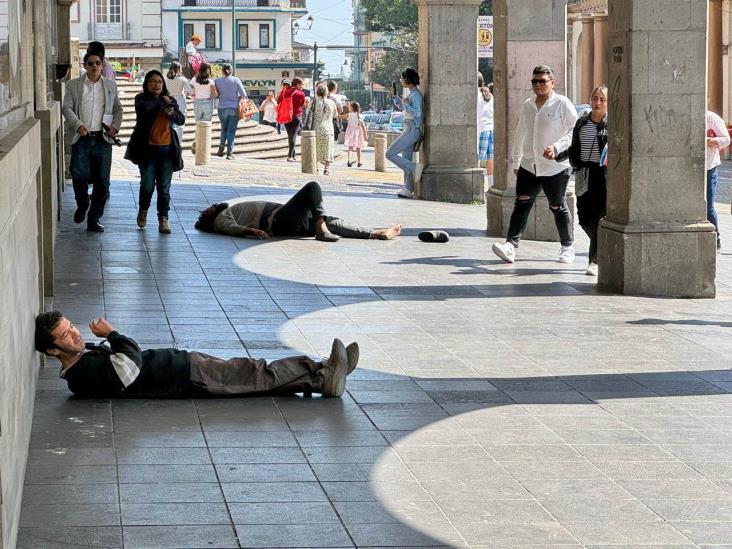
{"type": "Point", "coordinates": [544, 130]}
{"type": "Point", "coordinates": [93, 113]}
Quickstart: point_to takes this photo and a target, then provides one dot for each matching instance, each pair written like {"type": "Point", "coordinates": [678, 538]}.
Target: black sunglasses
{"type": "Point", "coordinates": [92, 63]}
{"type": "Point", "coordinates": [536, 82]}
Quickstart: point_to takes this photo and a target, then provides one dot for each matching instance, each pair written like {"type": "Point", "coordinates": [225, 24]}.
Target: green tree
{"type": "Point", "coordinates": [403, 54]}
{"type": "Point", "coordinates": [390, 15]}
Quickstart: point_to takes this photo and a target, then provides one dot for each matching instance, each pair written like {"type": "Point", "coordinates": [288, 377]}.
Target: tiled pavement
{"type": "Point", "coordinates": [494, 405]}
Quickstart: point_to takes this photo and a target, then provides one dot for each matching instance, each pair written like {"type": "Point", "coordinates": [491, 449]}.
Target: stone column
{"type": "Point", "coordinates": [655, 239]}
{"type": "Point", "coordinates": [203, 142]}
{"type": "Point", "coordinates": [601, 53]}
{"type": "Point", "coordinates": [526, 33]}
{"type": "Point", "coordinates": [308, 158]}
{"type": "Point", "coordinates": [448, 72]}
{"type": "Point", "coordinates": [714, 64]}
{"type": "Point", "coordinates": [380, 152]}
{"type": "Point", "coordinates": [63, 27]}
{"type": "Point", "coordinates": [588, 58]}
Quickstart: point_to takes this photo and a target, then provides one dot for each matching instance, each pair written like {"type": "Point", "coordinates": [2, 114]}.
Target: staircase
{"type": "Point", "coordinates": [252, 139]}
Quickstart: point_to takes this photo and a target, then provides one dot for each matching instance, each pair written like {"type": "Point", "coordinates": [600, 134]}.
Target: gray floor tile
{"type": "Point", "coordinates": [268, 492]}
{"type": "Point", "coordinates": [282, 513]}
{"type": "Point", "coordinates": [503, 533]}
{"type": "Point", "coordinates": [37, 494]}
{"type": "Point", "coordinates": [222, 456]}
{"type": "Point", "coordinates": [299, 535]}
{"type": "Point", "coordinates": [179, 537]}
{"type": "Point", "coordinates": [66, 537]}
{"type": "Point", "coordinates": [162, 456]}
{"type": "Point", "coordinates": [625, 533]}
{"type": "Point", "coordinates": [61, 515]}
{"type": "Point", "coordinates": [265, 472]}
{"type": "Point", "coordinates": [175, 492]}
{"type": "Point", "coordinates": [366, 535]}
{"type": "Point", "coordinates": [160, 514]}
{"type": "Point", "coordinates": [70, 474]}
{"type": "Point", "coordinates": [166, 473]}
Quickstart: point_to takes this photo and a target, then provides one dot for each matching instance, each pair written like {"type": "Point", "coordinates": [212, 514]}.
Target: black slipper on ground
{"type": "Point", "coordinates": [433, 236]}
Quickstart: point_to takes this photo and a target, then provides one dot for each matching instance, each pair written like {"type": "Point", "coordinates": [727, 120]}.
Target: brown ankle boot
{"type": "Point", "coordinates": [142, 218]}
{"type": "Point", "coordinates": [163, 225]}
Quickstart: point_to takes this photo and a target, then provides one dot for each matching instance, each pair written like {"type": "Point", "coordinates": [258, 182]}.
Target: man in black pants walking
{"type": "Point", "coordinates": [544, 130]}
{"type": "Point", "coordinates": [122, 370]}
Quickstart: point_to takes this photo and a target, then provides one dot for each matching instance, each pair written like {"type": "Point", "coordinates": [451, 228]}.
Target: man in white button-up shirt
{"type": "Point", "coordinates": [544, 130]}
{"type": "Point", "coordinates": [717, 139]}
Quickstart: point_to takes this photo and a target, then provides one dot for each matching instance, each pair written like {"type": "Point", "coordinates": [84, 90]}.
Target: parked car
{"type": "Point", "coordinates": [395, 122]}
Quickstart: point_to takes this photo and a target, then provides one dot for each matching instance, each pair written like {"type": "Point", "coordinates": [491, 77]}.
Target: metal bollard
{"type": "Point", "coordinates": [203, 142]}
{"type": "Point", "coordinates": [380, 152]}
{"type": "Point", "coordinates": [307, 152]}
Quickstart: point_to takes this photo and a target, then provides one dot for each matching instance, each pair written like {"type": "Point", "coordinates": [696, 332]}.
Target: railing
{"type": "Point", "coordinates": [244, 3]}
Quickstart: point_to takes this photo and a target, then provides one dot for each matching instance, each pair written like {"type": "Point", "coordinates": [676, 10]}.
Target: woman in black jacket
{"type": "Point", "coordinates": [154, 146]}
{"type": "Point", "coordinates": [588, 143]}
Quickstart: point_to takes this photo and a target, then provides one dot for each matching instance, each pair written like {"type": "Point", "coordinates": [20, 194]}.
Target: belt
{"type": "Point", "coordinates": [96, 134]}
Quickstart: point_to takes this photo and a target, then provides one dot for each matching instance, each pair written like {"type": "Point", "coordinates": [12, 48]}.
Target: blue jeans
{"type": "Point", "coordinates": [203, 108]}
{"type": "Point", "coordinates": [229, 121]}
{"type": "Point", "coordinates": [712, 179]}
{"type": "Point", "coordinates": [157, 174]}
{"type": "Point", "coordinates": [91, 162]}
{"type": "Point", "coordinates": [402, 150]}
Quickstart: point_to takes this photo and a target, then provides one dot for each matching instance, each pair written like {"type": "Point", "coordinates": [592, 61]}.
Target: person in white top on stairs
{"type": "Point", "coordinates": [180, 89]}
{"type": "Point", "coordinates": [544, 130]}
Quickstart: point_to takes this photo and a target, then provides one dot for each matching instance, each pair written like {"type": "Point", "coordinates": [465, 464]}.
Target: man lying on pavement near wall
{"type": "Point", "coordinates": [122, 370]}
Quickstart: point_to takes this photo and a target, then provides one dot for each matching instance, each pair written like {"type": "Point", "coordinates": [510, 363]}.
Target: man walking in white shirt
{"type": "Point", "coordinates": [544, 129]}
{"type": "Point", "coordinates": [717, 139]}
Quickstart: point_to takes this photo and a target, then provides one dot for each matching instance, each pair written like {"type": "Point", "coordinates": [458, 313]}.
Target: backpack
{"type": "Point", "coordinates": [284, 110]}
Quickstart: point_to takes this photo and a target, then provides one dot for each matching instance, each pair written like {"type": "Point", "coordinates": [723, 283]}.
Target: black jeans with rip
{"type": "Point", "coordinates": [555, 188]}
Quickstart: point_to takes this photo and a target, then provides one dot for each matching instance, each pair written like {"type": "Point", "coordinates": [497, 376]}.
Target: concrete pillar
{"type": "Point", "coordinates": [601, 53]}
{"type": "Point", "coordinates": [448, 69]}
{"type": "Point", "coordinates": [714, 64]}
{"type": "Point", "coordinates": [63, 28]}
{"type": "Point", "coordinates": [655, 239]}
{"type": "Point", "coordinates": [307, 152]}
{"type": "Point", "coordinates": [203, 142]}
{"type": "Point", "coordinates": [40, 8]}
{"type": "Point", "coordinates": [526, 33]}
{"type": "Point", "coordinates": [588, 58]}
{"type": "Point", "coordinates": [380, 152]}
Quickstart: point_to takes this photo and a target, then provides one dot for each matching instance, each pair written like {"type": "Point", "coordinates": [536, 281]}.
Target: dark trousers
{"type": "Point", "coordinates": [213, 376]}
{"type": "Point", "coordinates": [592, 206]}
{"type": "Point", "coordinates": [91, 162]}
{"type": "Point", "coordinates": [555, 188]}
{"type": "Point", "coordinates": [298, 215]}
{"type": "Point", "coordinates": [157, 173]}
{"type": "Point", "coordinates": [291, 127]}
{"type": "Point", "coordinates": [267, 123]}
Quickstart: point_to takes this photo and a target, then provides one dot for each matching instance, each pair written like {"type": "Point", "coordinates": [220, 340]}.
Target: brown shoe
{"type": "Point", "coordinates": [142, 218]}
{"type": "Point", "coordinates": [163, 225]}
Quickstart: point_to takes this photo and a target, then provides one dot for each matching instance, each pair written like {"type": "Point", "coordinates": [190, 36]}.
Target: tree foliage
{"type": "Point", "coordinates": [390, 15]}
{"type": "Point", "coordinates": [402, 55]}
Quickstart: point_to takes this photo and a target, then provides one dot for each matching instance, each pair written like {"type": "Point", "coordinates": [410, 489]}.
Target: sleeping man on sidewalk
{"type": "Point", "coordinates": [121, 370]}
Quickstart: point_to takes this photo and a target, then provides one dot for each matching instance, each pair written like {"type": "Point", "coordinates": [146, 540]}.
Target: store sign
{"type": "Point", "coordinates": [259, 83]}
{"type": "Point", "coordinates": [485, 37]}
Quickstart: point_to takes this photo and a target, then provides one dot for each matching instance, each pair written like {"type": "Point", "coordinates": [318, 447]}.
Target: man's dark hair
{"type": "Point", "coordinates": [96, 48]}
{"type": "Point", "coordinates": [295, 81]}
{"type": "Point", "coordinates": [544, 69]}
{"type": "Point", "coordinates": [45, 324]}
{"type": "Point", "coordinates": [206, 220]}
{"type": "Point", "coordinates": [89, 54]}
{"type": "Point", "coordinates": [410, 76]}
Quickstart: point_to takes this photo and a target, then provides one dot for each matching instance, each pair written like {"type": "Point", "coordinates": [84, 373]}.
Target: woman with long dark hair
{"type": "Point", "coordinates": [204, 92]}
{"type": "Point", "coordinates": [154, 146]}
{"type": "Point", "coordinates": [179, 89]}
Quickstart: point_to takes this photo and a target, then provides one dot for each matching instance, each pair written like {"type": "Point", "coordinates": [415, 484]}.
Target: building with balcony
{"type": "Point", "coordinates": [256, 34]}
{"type": "Point", "coordinates": [130, 29]}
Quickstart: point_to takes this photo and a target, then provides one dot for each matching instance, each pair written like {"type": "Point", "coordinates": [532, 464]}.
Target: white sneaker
{"type": "Point", "coordinates": [505, 251]}
{"type": "Point", "coordinates": [591, 269]}
{"type": "Point", "coordinates": [566, 254]}
{"type": "Point", "coordinates": [405, 193]}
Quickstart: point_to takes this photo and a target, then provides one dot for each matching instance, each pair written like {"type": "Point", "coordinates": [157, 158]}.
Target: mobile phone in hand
{"type": "Point", "coordinates": [393, 89]}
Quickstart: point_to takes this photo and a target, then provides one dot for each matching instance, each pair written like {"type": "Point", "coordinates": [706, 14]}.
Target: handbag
{"type": "Point", "coordinates": [284, 110]}
{"type": "Point", "coordinates": [246, 109]}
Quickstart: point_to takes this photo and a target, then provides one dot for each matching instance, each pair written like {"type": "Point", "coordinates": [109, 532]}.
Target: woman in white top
{"type": "Point", "coordinates": [485, 124]}
{"type": "Point", "coordinates": [204, 92]}
{"type": "Point", "coordinates": [179, 87]}
{"type": "Point", "coordinates": [268, 108]}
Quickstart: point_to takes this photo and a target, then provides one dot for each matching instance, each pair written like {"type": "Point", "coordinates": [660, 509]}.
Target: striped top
{"type": "Point", "coordinates": [588, 140]}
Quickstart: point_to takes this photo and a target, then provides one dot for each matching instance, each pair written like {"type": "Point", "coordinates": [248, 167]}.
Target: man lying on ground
{"type": "Point", "coordinates": [122, 370]}
{"type": "Point", "coordinates": [302, 215]}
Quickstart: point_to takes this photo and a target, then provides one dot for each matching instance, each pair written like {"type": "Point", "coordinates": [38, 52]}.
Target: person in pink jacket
{"type": "Point", "coordinates": [717, 139]}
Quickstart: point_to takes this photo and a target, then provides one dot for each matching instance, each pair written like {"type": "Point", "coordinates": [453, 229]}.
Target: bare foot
{"type": "Point", "coordinates": [390, 233]}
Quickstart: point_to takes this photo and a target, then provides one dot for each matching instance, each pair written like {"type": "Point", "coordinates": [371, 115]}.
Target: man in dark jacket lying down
{"type": "Point", "coordinates": [121, 370]}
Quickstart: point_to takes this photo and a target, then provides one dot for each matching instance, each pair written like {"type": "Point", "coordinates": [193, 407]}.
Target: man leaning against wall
{"type": "Point", "coordinates": [93, 111]}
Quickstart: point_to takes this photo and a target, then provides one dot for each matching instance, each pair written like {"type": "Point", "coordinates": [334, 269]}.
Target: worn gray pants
{"type": "Point", "coordinates": [212, 376]}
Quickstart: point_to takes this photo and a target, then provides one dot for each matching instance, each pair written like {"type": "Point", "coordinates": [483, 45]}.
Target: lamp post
{"type": "Point", "coordinates": [315, 66]}
{"type": "Point", "coordinates": [233, 37]}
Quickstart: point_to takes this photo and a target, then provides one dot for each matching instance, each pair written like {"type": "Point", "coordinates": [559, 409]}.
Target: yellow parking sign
{"type": "Point", "coordinates": [485, 36]}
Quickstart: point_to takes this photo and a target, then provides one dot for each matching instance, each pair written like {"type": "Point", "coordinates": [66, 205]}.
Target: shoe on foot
{"type": "Point", "coordinates": [229, 156]}
{"type": "Point", "coordinates": [719, 245]}
{"type": "Point", "coordinates": [359, 165]}
{"type": "Point", "coordinates": [353, 353]}
{"type": "Point", "coordinates": [405, 193]}
{"type": "Point", "coordinates": [290, 159]}
{"type": "Point", "coordinates": [94, 227]}
{"type": "Point", "coordinates": [79, 215]}
{"type": "Point", "coordinates": [220, 152]}
{"type": "Point", "coordinates": [326, 236]}
{"type": "Point", "coordinates": [566, 254]}
{"type": "Point", "coordinates": [163, 226]}
{"type": "Point", "coordinates": [335, 370]}
{"type": "Point", "coordinates": [142, 218]}
{"type": "Point", "coordinates": [349, 163]}
{"type": "Point", "coordinates": [505, 251]}
{"type": "Point", "coordinates": [591, 269]}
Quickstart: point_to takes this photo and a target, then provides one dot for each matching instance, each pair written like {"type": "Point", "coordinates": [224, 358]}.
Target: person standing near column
{"type": "Point", "coordinates": [92, 110]}
{"type": "Point", "coordinates": [717, 139]}
{"type": "Point", "coordinates": [544, 130]}
{"type": "Point", "coordinates": [179, 89]}
{"type": "Point", "coordinates": [401, 151]}
{"type": "Point", "coordinates": [589, 139]}
{"type": "Point", "coordinates": [230, 91]}
{"type": "Point", "coordinates": [154, 146]}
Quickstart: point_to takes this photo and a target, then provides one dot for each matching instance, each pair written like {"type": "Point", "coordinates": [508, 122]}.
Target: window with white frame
{"type": "Point", "coordinates": [243, 36]}
{"type": "Point", "coordinates": [108, 11]}
{"type": "Point", "coordinates": [264, 36]}
{"type": "Point", "coordinates": [210, 36]}
{"type": "Point", "coordinates": [187, 32]}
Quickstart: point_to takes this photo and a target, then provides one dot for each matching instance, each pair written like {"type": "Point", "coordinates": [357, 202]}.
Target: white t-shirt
{"type": "Point", "coordinates": [270, 111]}
{"type": "Point", "coordinates": [485, 114]}
{"type": "Point", "coordinates": [202, 91]}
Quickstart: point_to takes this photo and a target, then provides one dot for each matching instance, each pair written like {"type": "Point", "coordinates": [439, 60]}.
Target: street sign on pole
{"type": "Point", "coordinates": [485, 37]}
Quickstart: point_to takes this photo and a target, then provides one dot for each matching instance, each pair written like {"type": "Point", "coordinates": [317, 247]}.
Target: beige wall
{"type": "Point", "coordinates": [20, 295]}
